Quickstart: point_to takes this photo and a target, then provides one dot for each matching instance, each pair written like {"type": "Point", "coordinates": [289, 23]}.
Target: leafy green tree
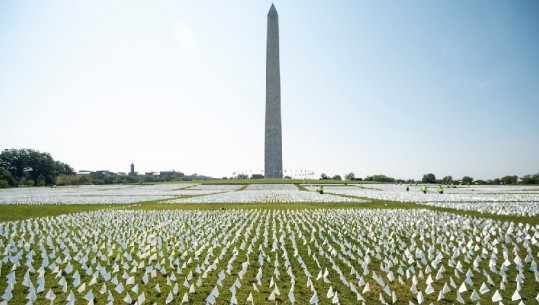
{"type": "Point", "coordinates": [510, 179]}
{"type": "Point", "coordinates": [72, 180]}
{"type": "Point", "coordinates": [337, 177]}
{"type": "Point", "coordinates": [41, 181]}
{"type": "Point", "coordinates": [6, 177]}
{"type": "Point", "coordinates": [324, 177]}
{"type": "Point", "coordinates": [148, 179]}
{"type": "Point", "coordinates": [380, 178]}
{"type": "Point", "coordinates": [429, 178]}
{"type": "Point", "coordinates": [467, 180]}
{"type": "Point", "coordinates": [350, 176]}
{"type": "Point", "coordinates": [61, 168]}
{"type": "Point", "coordinates": [28, 164]}
{"type": "Point", "coordinates": [15, 161]}
{"type": "Point", "coordinates": [40, 167]}
{"type": "Point", "coordinates": [104, 177]}
{"type": "Point", "coordinates": [242, 176]}
{"type": "Point", "coordinates": [447, 180]}
{"type": "Point", "coordinates": [528, 179]}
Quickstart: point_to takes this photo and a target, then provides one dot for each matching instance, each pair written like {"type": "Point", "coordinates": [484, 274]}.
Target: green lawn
{"type": "Point", "coordinates": [12, 212]}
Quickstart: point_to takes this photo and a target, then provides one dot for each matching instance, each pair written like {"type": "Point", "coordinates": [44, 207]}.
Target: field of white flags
{"type": "Point", "coordinates": [105, 194]}
{"type": "Point", "coordinates": [266, 193]}
{"type": "Point", "coordinates": [501, 200]}
{"type": "Point", "coordinates": [166, 193]}
{"type": "Point", "coordinates": [258, 256]}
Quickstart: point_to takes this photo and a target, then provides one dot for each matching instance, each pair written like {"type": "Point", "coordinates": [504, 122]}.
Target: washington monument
{"type": "Point", "coordinates": [273, 147]}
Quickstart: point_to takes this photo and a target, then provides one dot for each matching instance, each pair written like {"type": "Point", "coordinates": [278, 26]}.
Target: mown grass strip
{"type": "Point", "coordinates": [245, 186]}
{"type": "Point", "coordinates": [13, 212]}
{"type": "Point", "coordinates": [301, 187]}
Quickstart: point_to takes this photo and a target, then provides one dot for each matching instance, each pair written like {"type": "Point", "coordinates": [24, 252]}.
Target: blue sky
{"type": "Point", "coordinates": [374, 87]}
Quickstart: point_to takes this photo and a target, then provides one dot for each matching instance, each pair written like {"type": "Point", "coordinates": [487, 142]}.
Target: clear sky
{"type": "Point", "coordinates": [401, 88]}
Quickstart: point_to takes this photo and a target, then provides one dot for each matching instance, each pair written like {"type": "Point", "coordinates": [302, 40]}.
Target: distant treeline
{"type": "Point", "coordinates": [30, 168]}
{"type": "Point", "coordinates": [431, 178]}
{"type": "Point", "coordinates": [466, 180]}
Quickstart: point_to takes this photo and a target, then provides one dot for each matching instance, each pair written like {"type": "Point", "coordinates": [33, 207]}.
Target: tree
{"type": "Point", "coordinates": [429, 178]}
{"type": "Point", "coordinates": [6, 178]}
{"type": "Point", "coordinates": [510, 179]}
{"type": "Point", "coordinates": [242, 176]}
{"type": "Point", "coordinates": [350, 176]}
{"type": "Point", "coordinates": [467, 180]}
{"type": "Point", "coordinates": [148, 179]}
{"type": "Point", "coordinates": [104, 177]}
{"type": "Point", "coordinates": [447, 180]}
{"type": "Point", "coordinates": [324, 177]}
{"type": "Point", "coordinates": [15, 161]}
{"type": "Point", "coordinates": [380, 178]}
{"type": "Point", "coordinates": [337, 177]}
{"type": "Point", "coordinates": [529, 179]}
{"type": "Point", "coordinates": [27, 165]}
{"type": "Point", "coordinates": [63, 168]}
{"type": "Point", "coordinates": [72, 179]}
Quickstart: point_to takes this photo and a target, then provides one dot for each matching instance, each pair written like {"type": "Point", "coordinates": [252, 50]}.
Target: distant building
{"type": "Point", "coordinates": [132, 172]}
{"type": "Point", "coordinates": [150, 173]}
{"type": "Point", "coordinates": [84, 172]}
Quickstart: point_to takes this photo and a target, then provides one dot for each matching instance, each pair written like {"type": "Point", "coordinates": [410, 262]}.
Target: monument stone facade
{"type": "Point", "coordinates": [273, 152]}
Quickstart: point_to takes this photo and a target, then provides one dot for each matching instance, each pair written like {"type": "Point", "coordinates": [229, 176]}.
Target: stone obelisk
{"type": "Point", "coordinates": [273, 146]}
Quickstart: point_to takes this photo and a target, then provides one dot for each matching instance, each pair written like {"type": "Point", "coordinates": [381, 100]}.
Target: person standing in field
{"type": "Point", "coordinates": [424, 189]}
{"type": "Point", "coordinates": [440, 189]}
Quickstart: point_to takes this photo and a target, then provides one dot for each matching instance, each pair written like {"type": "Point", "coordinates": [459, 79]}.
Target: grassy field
{"type": "Point", "coordinates": [255, 225]}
